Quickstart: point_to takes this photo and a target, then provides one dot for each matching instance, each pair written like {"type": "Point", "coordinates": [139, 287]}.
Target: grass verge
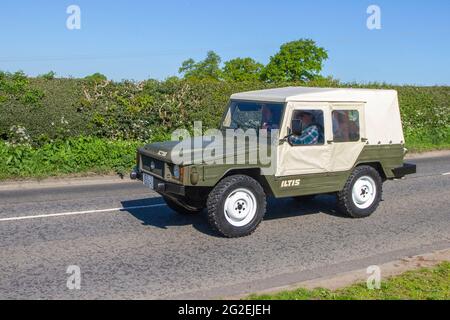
{"type": "Point", "coordinates": [423, 284]}
{"type": "Point", "coordinates": [427, 140]}
{"type": "Point", "coordinates": [72, 156]}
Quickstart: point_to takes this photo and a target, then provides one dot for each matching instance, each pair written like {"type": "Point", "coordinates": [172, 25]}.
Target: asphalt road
{"type": "Point", "coordinates": [146, 251]}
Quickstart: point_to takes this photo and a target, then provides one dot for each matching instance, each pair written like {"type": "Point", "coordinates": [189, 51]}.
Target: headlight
{"type": "Point", "coordinates": [176, 172]}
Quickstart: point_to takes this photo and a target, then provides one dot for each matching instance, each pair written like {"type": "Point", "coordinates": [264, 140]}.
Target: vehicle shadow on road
{"type": "Point", "coordinates": [161, 216]}
{"type": "Point", "coordinates": [286, 208]}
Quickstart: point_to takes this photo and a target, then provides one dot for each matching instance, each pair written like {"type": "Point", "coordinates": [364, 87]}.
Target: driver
{"type": "Point", "coordinates": [310, 133]}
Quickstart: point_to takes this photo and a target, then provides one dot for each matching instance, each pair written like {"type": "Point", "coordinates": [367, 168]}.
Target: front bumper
{"type": "Point", "coordinates": [406, 169]}
{"type": "Point", "coordinates": [162, 187]}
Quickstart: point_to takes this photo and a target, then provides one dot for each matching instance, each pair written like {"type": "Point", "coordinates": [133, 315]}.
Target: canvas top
{"type": "Point", "coordinates": [382, 118]}
{"type": "Point", "coordinates": [314, 94]}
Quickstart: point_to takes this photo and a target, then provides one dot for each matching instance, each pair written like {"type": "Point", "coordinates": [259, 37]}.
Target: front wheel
{"type": "Point", "coordinates": [362, 193]}
{"type": "Point", "coordinates": [236, 206]}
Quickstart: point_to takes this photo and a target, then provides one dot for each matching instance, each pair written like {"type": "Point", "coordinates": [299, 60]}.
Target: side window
{"type": "Point", "coordinates": [345, 125]}
{"type": "Point", "coordinates": [307, 128]}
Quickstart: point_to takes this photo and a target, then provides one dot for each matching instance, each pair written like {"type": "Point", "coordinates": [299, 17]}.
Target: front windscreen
{"type": "Point", "coordinates": [253, 115]}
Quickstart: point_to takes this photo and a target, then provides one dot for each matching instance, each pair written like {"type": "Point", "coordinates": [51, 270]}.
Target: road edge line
{"type": "Point", "coordinates": [78, 213]}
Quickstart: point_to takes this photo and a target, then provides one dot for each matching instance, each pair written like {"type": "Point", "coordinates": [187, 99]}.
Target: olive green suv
{"type": "Point", "coordinates": [295, 142]}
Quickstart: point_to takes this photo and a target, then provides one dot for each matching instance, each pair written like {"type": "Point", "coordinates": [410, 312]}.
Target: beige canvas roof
{"type": "Point", "coordinates": [382, 113]}
{"type": "Point", "coordinates": [312, 94]}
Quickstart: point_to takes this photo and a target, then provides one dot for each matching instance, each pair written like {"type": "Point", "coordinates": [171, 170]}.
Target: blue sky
{"type": "Point", "coordinates": [141, 39]}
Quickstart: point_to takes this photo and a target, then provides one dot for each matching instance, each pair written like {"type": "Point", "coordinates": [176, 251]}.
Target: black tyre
{"type": "Point", "coordinates": [236, 206]}
{"type": "Point", "coordinates": [362, 193]}
{"type": "Point", "coordinates": [181, 207]}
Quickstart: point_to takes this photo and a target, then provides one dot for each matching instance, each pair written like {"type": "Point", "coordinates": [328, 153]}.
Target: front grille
{"type": "Point", "coordinates": [158, 165]}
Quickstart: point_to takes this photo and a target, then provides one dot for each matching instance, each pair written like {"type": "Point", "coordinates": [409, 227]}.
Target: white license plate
{"type": "Point", "coordinates": [149, 181]}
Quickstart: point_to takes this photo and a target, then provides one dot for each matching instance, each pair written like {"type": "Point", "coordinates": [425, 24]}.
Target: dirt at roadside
{"type": "Point", "coordinates": [429, 154]}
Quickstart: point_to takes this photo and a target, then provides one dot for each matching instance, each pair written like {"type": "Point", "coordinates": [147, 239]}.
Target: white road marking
{"type": "Point", "coordinates": [52, 215]}
{"type": "Point", "coordinates": [446, 174]}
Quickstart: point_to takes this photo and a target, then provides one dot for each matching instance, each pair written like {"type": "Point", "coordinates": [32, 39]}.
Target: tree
{"type": "Point", "coordinates": [242, 69]}
{"type": "Point", "coordinates": [48, 76]}
{"type": "Point", "coordinates": [206, 69]}
{"type": "Point", "coordinates": [299, 60]}
{"type": "Point", "coordinates": [96, 78]}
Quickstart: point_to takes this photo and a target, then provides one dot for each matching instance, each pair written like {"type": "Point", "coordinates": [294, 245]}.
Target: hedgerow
{"type": "Point", "coordinates": [49, 108]}
{"type": "Point", "coordinates": [51, 126]}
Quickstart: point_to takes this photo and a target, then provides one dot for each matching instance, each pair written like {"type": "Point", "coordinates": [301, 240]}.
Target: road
{"type": "Point", "coordinates": [145, 251]}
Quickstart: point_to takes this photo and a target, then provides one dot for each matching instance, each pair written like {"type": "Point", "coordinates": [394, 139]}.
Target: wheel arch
{"type": "Point", "coordinates": [377, 166]}
{"type": "Point", "coordinates": [253, 172]}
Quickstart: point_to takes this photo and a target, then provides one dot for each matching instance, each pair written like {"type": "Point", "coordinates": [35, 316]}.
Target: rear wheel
{"type": "Point", "coordinates": [362, 193]}
{"type": "Point", "coordinates": [236, 206]}
{"type": "Point", "coordinates": [181, 207]}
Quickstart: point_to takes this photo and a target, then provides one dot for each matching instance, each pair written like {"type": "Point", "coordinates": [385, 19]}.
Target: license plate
{"type": "Point", "coordinates": [149, 181]}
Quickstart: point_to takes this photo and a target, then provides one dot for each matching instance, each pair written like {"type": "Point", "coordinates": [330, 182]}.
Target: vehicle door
{"type": "Point", "coordinates": [294, 160]}
{"type": "Point", "coordinates": [348, 135]}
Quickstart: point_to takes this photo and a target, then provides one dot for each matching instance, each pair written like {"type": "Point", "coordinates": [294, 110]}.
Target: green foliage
{"type": "Point", "coordinates": [299, 60]}
{"type": "Point", "coordinates": [242, 69]}
{"type": "Point", "coordinates": [422, 140]}
{"type": "Point", "coordinates": [422, 284]}
{"type": "Point", "coordinates": [96, 78]}
{"type": "Point", "coordinates": [16, 87]}
{"type": "Point", "coordinates": [40, 114]}
{"type": "Point", "coordinates": [206, 69]}
{"type": "Point", "coordinates": [145, 110]}
{"type": "Point", "coordinates": [48, 76]}
{"type": "Point", "coordinates": [32, 97]}
{"type": "Point", "coordinates": [75, 155]}
{"type": "Point", "coordinates": [39, 105]}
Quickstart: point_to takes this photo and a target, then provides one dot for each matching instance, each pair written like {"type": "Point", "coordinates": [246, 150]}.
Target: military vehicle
{"type": "Point", "coordinates": [345, 142]}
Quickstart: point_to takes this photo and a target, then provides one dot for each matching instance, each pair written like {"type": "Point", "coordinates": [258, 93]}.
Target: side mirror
{"type": "Point", "coordinates": [297, 127]}
{"type": "Point", "coordinates": [286, 138]}
{"type": "Point", "coordinates": [295, 130]}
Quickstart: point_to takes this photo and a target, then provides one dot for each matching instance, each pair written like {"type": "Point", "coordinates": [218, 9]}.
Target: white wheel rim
{"type": "Point", "coordinates": [240, 207]}
{"type": "Point", "coordinates": [364, 192]}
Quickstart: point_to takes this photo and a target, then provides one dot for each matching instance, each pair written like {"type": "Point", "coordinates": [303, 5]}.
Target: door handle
{"type": "Point", "coordinates": [330, 141]}
{"type": "Point", "coordinates": [364, 139]}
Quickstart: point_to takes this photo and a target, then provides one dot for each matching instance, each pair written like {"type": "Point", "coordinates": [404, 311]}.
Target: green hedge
{"type": "Point", "coordinates": [51, 109]}
{"type": "Point", "coordinates": [51, 126]}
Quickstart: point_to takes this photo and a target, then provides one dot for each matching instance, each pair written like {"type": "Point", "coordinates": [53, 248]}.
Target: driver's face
{"type": "Point", "coordinates": [306, 118]}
